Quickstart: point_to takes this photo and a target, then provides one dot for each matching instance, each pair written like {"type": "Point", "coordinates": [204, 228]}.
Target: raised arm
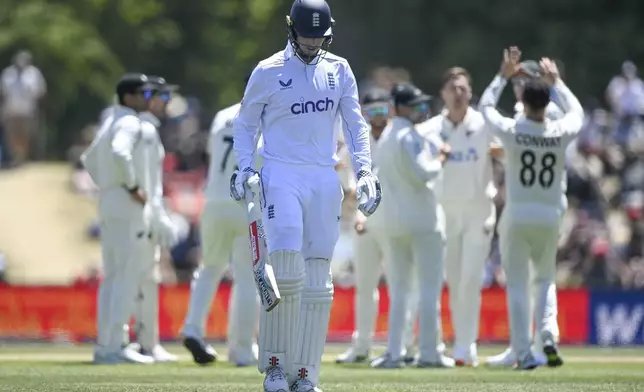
{"type": "Point", "coordinates": [354, 126]}
{"type": "Point", "coordinates": [574, 113]}
{"type": "Point", "coordinates": [246, 124]}
{"type": "Point", "coordinates": [496, 122]}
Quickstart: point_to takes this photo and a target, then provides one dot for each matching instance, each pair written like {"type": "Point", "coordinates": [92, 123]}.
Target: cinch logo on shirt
{"type": "Point", "coordinates": [304, 107]}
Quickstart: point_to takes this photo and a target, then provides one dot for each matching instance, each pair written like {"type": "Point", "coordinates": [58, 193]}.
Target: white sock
{"type": "Point", "coordinates": [314, 320]}
{"type": "Point", "coordinates": [278, 328]}
{"type": "Point", "coordinates": [202, 290]}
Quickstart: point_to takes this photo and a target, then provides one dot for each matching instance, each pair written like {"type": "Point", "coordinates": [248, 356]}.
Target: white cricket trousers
{"type": "Point", "coordinates": [419, 257]}
{"type": "Point", "coordinates": [369, 260]}
{"type": "Point", "coordinates": [301, 208]}
{"type": "Point", "coordinates": [224, 239]}
{"type": "Point", "coordinates": [467, 250]}
{"type": "Point", "coordinates": [519, 244]}
{"type": "Point", "coordinates": [125, 246]}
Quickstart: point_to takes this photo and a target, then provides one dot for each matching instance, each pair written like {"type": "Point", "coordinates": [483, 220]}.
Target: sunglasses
{"type": "Point", "coordinates": [165, 97]}
{"type": "Point", "coordinates": [382, 111]}
{"type": "Point", "coordinates": [422, 107]}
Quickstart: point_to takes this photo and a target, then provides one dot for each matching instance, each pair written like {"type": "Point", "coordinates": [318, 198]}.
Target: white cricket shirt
{"type": "Point", "coordinates": [298, 105]}
{"type": "Point", "coordinates": [535, 156]}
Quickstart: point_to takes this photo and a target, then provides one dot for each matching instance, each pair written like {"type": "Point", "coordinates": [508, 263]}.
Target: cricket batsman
{"type": "Point", "coordinates": [529, 227]}
{"type": "Point", "coordinates": [410, 167]}
{"type": "Point", "coordinates": [530, 69]}
{"type": "Point", "coordinates": [368, 242]}
{"type": "Point", "coordinates": [163, 233]}
{"type": "Point", "coordinates": [467, 199]}
{"type": "Point", "coordinates": [118, 164]}
{"type": "Point", "coordinates": [297, 94]}
{"type": "Point", "coordinates": [224, 238]}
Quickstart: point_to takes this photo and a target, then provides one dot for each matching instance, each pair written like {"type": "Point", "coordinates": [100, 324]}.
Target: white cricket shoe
{"type": "Point", "coordinates": [126, 355]}
{"type": "Point", "coordinates": [442, 362]}
{"type": "Point", "coordinates": [275, 380]}
{"type": "Point", "coordinates": [353, 355]}
{"type": "Point", "coordinates": [528, 363]}
{"type": "Point", "coordinates": [465, 356]}
{"type": "Point", "coordinates": [243, 357]}
{"type": "Point", "coordinates": [506, 359]}
{"type": "Point", "coordinates": [159, 353]}
{"type": "Point", "coordinates": [304, 385]}
{"type": "Point", "coordinates": [386, 362]}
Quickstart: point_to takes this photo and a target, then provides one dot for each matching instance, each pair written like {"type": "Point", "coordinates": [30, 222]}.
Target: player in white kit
{"type": "Point", "coordinates": [531, 69]}
{"type": "Point", "coordinates": [118, 163]}
{"type": "Point", "coordinates": [530, 224]}
{"type": "Point", "coordinates": [163, 233]}
{"type": "Point", "coordinates": [368, 242]}
{"type": "Point", "coordinates": [297, 95]}
{"type": "Point", "coordinates": [410, 166]}
{"type": "Point", "coordinates": [466, 196]}
{"type": "Point", "coordinates": [224, 236]}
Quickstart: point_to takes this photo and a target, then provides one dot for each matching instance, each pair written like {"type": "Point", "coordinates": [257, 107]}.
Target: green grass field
{"type": "Point", "coordinates": [68, 368]}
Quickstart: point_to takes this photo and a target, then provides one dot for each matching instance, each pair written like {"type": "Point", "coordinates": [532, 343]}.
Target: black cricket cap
{"type": "Point", "coordinates": [376, 95]}
{"type": "Point", "coordinates": [159, 84]}
{"type": "Point", "coordinates": [131, 82]}
{"type": "Point", "coordinates": [406, 94]}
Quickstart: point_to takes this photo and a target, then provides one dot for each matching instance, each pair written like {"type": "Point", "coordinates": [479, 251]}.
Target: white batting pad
{"type": "Point", "coordinates": [278, 327]}
{"type": "Point", "coordinates": [202, 290]}
{"type": "Point", "coordinates": [314, 320]}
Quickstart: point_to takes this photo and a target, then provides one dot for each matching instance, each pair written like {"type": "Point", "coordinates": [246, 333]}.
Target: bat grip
{"type": "Point", "coordinates": [251, 187]}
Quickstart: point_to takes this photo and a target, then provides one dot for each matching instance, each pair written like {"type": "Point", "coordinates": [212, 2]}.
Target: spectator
{"type": "Point", "coordinates": [625, 95]}
{"type": "Point", "coordinates": [22, 87]}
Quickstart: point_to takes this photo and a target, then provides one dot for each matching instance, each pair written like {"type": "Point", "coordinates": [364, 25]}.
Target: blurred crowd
{"type": "Point", "coordinates": [602, 243]}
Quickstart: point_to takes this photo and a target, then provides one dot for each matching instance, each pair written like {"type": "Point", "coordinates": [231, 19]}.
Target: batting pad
{"type": "Point", "coordinates": [314, 320]}
{"type": "Point", "coordinates": [278, 327]}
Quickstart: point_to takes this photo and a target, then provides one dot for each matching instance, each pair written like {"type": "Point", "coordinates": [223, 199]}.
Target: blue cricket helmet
{"type": "Point", "coordinates": [310, 19]}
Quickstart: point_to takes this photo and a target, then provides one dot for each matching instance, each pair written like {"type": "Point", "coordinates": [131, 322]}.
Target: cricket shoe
{"type": "Point", "coordinates": [126, 355]}
{"type": "Point", "coordinates": [443, 362]}
{"type": "Point", "coordinates": [506, 359]}
{"type": "Point", "coordinates": [528, 363]}
{"type": "Point", "coordinates": [304, 385]}
{"type": "Point", "coordinates": [553, 358]}
{"type": "Point", "coordinates": [243, 357]}
{"type": "Point", "coordinates": [275, 380]}
{"type": "Point", "coordinates": [386, 362]}
{"type": "Point", "coordinates": [465, 356]}
{"type": "Point", "coordinates": [99, 354]}
{"type": "Point", "coordinates": [352, 355]}
{"type": "Point", "coordinates": [160, 354]}
{"type": "Point", "coordinates": [202, 353]}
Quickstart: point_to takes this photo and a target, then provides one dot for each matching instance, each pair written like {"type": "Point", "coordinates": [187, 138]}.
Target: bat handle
{"type": "Point", "coordinates": [252, 188]}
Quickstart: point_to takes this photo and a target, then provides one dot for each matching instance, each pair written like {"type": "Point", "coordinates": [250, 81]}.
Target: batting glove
{"type": "Point", "coordinates": [368, 192]}
{"type": "Point", "coordinates": [239, 181]}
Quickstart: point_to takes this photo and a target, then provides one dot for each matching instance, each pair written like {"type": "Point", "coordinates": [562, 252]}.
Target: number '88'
{"type": "Point", "coordinates": [530, 174]}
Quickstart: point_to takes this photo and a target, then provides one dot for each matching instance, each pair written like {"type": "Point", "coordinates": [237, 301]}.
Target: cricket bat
{"type": "Point", "coordinates": [262, 271]}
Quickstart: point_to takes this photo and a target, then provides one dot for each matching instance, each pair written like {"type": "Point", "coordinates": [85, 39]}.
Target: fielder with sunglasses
{"type": "Point", "coordinates": [368, 243]}
{"type": "Point", "coordinates": [116, 161]}
{"type": "Point", "coordinates": [409, 167]}
{"type": "Point", "coordinates": [162, 231]}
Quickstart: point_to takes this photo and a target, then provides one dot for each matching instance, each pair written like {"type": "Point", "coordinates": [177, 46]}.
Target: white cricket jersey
{"type": "Point", "coordinates": [535, 156]}
{"type": "Point", "coordinates": [467, 176]}
{"type": "Point", "coordinates": [155, 153]}
{"type": "Point", "coordinates": [408, 169]}
{"type": "Point", "coordinates": [222, 159]}
{"type": "Point", "coordinates": [298, 105]}
{"type": "Point", "coordinates": [110, 158]}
